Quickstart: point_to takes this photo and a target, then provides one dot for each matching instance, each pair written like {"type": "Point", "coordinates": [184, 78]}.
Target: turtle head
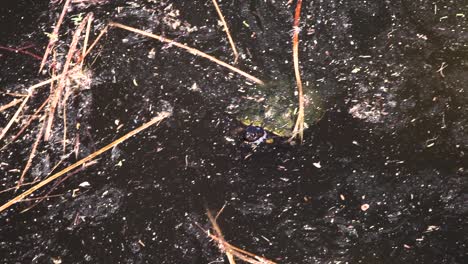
{"type": "Point", "coordinates": [253, 133]}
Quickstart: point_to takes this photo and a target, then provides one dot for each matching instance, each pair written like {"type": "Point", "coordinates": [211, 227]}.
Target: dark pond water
{"type": "Point", "coordinates": [392, 75]}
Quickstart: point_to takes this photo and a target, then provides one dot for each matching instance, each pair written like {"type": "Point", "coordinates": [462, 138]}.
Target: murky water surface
{"type": "Point", "coordinates": [381, 178]}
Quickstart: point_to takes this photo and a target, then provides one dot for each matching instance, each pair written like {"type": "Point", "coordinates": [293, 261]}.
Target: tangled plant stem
{"type": "Point", "coordinates": [299, 126]}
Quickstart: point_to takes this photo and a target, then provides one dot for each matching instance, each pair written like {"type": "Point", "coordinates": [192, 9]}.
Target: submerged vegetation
{"type": "Point", "coordinates": [273, 107]}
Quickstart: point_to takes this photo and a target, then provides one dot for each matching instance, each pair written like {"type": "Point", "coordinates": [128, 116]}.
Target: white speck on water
{"type": "Point", "coordinates": [84, 184]}
{"type": "Point", "coordinates": [194, 87]}
{"type": "Point", "coordinates": [365, 207]}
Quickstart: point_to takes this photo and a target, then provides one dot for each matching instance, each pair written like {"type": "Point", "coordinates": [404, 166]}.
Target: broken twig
{"type": "Point", "coordinates": [226, 29]}
{"type": "Point", "coordinates": [189, 49]}
{"type": "Point", "coordinates": [62, 81]}
{"type": "Point", "coordinates": [54, 36]}
{"type": "Point", "coordinates": [299, 126]}
{"type": "Point", "coordinates": [155, 120]}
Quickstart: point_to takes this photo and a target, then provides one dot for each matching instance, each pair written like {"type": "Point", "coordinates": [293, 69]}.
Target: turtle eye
{"type": "Point", "coordinates": [251, 133]}
{"type": "Point", "coordinates": [260, 131]}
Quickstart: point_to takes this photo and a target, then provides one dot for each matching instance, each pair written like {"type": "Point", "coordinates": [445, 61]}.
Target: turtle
{"type": "Point", "coordinates": [272, 107]}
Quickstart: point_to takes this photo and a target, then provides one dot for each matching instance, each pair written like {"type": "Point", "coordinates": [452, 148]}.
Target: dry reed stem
{"type": "Point", "coordinates": [240, 253]}
{"type": "Point", "coordinates": [53, 79]}
{"type": "Point", "coordinates": [219, 234]}
{"type": "Point", "coordinates": [32, 155]}
{"type": "Point", "coordinates": [76, 147]}
{"type": "Point", "coordinates": [220, 211]}
{"type": "Point", "coordinates": [229, 249]}
{"type": "Point", "coordinates": [42, 198]}
{"type": "Point", "coordinates": [16, 94]}
{"type": "Point", "coordinates": [56, 165]}
{"type": "Point", "coordinates": [56, 184]}
{"type": "Point", "coordinates": [10, 104]}
{"type": "Point", "coordinates": [62, 81]}
{"type": "Point", "coordinates": [189, 49]}
{"type": "Point", "coordinates": [64, 139]}
{"type": "Point", "coordinates": [226, 29]}
{"type": "Point", "coordinates": [31, 90]}
{"type": "Point", "coordinates": [30, 119]}
{"type": "Point", "coordinates": [155, 120]}
{"type": "Point", "coordinates": [15, 116]}
{"type": "Point", "coordinates": [85, 46]}
{"type": "Point", "coordinates": [54, 36]}
{"type": "Point", "coordinates": [53, 70]}
{"type": "Point", "coordinates": [14, 188]}
{"type": "Point", "coordinates": [299, 126]}
{"type": "Point", "coordinates": [103, 31]}
{"type": "Point", "coordinates": [21, 50]}
{"type": "Point", "coordinates": [64, 119]}
{"type": "Point", "coordinates": [85, 43]}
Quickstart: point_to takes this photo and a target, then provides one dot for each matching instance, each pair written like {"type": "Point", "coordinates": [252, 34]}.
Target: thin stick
{"type": "Point", "coordinates": [53, 70]}
{"type": "Point", "coordinates": [41, 198]}
{"type": "Point", "coordinates": [226, 29]}
{"type": "Point", "coordinates": [56, 165]}
{"type": "Point", "coordinates": [31, 89]}
{"type": "Point", "coordinates": [56, 184]}
{"type": "Point", "coordinates": [85, 44]}
{"type": "Point", "coordinates": [10, 104]}
{"type": "Point", "coordinates": [94, 43]}
{"type": "Point", "coordinates": [16, 94]}
{"type": "Point", "coordinates": [23, 128]}
{"type": "Point", "coordinates": [54, 36]}
{"type": "Point", "coordinates": [14, 188]}
{"type": "Point", "coordinates": [218, 232]}
{"type": "Point", "coordinates": [240, 253]}
{"type": "Point", "coordinates": [189, 49]}
{"type": "Point", "coordinates": [230, 249]}
{"type": "Point", "coordinates": [53, 79]}
{"type": "Point", "coordinates": [32, 155]}
{"type": "Point", "coordinates": [235, 251]}
{"type": "Point", "coordinates": [28, 122]}
{"type": "Point", "coordinates": [220, 211]}
{"type": "Point", "coordinates": [27, 47]}
{"type": "Point", "coordinates": [83, 167]}
{"type": "Point", "coordinates": [15, 116]}
{"type": "Point", "coordinates": [21, 50]}
{"type": "Point", "coordinates": [76, 148]}
{"type": "Point", "coordinates": [61, 83]}
{"type": "Point", "coordinates": [155, 120]}
{"type": "Point", "coordinates": [299, 126]}
{"type": "Point", "coordinates": [64, 147]}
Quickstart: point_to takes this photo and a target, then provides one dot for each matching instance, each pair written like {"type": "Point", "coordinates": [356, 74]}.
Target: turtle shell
{"type": "Point", "coordinates": [273, 106]}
